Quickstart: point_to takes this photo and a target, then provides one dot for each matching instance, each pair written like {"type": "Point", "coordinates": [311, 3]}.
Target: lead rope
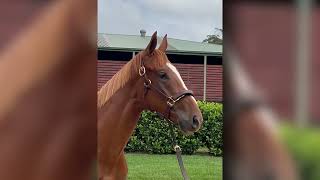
{"type": "Point", "coordinates": [178, 151]}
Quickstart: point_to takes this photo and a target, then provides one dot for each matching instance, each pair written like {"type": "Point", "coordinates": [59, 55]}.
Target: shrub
{"type": "Point", "coordinates": [211, 132]}
{"type": "Point", "coordinates": [152, 134]}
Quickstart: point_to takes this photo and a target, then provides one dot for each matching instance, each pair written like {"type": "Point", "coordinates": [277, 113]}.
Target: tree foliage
{"type": "Point", "coordinates": [215, 38]}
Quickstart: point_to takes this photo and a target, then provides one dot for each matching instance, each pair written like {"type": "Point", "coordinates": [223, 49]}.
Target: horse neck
{"type": "Point", "coordinates": [119, 116]}
{"type": "Point", "coordinates": [127, 96]}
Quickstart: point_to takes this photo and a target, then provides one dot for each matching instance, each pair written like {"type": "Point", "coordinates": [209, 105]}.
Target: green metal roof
{"type": "Point", "coordinates": [137, 43]}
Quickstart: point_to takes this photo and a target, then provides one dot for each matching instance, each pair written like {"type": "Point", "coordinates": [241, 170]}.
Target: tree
{"type": "Point", "coordinates": [215, 38]}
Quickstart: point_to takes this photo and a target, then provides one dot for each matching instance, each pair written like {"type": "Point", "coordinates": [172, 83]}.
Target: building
{"type": "Point", "coordinates": [200, 64]}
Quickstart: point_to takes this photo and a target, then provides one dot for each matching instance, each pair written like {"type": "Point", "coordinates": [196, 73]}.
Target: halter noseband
{"type": "Point", "coordinates": [171, 100]}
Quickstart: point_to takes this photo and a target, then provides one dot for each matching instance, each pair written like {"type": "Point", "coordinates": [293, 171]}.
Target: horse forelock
{"type": "Point", "coordinates": [159, 60]}
{"type": "Point", "coordinates": [127, 72]}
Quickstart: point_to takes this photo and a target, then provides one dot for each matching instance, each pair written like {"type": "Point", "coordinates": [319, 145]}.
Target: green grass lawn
{"type": "Point", "coordinates": [158, 167]}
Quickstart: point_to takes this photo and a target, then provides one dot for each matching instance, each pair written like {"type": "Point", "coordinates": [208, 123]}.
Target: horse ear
{"type": "Point", "coordinates": [152, 44]}
{"type": "Point", "coordinates": [164, 44]}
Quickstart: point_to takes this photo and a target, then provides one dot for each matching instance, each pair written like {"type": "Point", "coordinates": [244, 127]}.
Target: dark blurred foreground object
{"type": "Point", "coordinates": [278, 42]}
{"type": "Point", "coordinates": [252, 147]}
{"type": "Point", "coordinates": [265, 34]}
{"type": "Point", "coordinates": [48, 95]}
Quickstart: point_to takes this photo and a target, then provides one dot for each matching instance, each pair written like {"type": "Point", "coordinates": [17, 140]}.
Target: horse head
{"type": "Point", "coordinates": [164, 90]}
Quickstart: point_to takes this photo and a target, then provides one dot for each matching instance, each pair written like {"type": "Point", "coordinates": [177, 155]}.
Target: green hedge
{"type": "Point", "coordinates": [211, 132]}
{"type": "Point", "coordinates": [152, 134]}
{"type": "Point", "coordinates": [304, 144]}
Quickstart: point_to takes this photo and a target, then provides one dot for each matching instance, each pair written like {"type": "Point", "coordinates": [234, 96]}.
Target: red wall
{"type": "Point", "coordinates": [192, 74]}
{"type": "Point", "coordinates": [215, 83]}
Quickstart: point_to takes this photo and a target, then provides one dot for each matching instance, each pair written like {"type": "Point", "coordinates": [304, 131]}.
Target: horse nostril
{"type": "Point", "coordinates": [195, 122]}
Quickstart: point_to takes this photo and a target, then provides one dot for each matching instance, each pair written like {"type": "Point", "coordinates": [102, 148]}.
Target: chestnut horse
{"type": "Point", "coordinates": [252, 147]}
{"type": "Point", "coordinates": [147, 82]}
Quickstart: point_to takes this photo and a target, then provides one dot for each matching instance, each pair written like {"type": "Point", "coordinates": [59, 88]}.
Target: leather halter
{"type": "Point", "coordinates": [171, 100]}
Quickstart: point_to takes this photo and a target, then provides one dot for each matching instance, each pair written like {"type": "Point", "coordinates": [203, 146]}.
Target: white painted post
{"type": "Point", "coordinates": [205, 78]}
{"type": "Point", "coordinates": [303, 59]}
{"type": "Point", "coordinates": [133, 54]}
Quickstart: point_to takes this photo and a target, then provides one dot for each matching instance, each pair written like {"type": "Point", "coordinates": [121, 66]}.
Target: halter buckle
{"type": "Point", "coordinates": [171, 101]}
{"type": "Point", "coordinates": [147, 83]}
{"type": "Point", "coordinates": [142, 71]}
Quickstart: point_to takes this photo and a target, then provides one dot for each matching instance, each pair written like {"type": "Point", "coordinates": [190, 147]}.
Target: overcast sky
{"type": "Point", "coordinates": [181, 19]}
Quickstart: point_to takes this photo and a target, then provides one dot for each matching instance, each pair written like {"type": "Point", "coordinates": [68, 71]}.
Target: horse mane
{"type": "Point", "coordinates": [127, 72]}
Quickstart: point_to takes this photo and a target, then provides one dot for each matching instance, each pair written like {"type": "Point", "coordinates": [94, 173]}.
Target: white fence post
{"type": "Point", "coordinates": [205, 78]}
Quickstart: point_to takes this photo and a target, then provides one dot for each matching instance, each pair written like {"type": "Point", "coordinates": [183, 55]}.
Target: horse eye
{"type": "Point", "coordinates": [163, 75]}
